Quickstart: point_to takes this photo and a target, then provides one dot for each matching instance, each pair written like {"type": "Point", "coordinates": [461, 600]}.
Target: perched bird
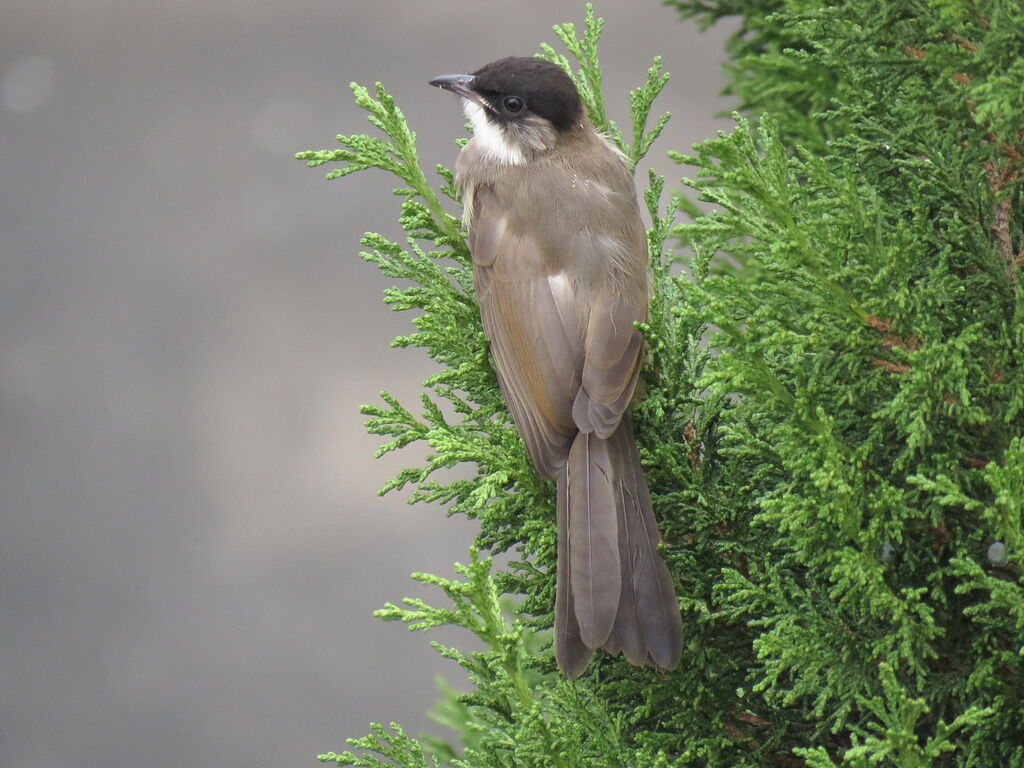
{"type": "Point", "coordinates": [561, 274]}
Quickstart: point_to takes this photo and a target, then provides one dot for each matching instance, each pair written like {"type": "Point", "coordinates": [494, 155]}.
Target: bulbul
{"type": "Point", "coordinates": [561, 276]}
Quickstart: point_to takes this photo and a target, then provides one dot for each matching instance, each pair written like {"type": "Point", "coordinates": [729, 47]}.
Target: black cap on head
{"type": "Point", "coordinates": [544, 87]}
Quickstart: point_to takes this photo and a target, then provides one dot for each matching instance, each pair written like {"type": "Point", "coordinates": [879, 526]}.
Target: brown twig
{"type": "Point", "coordinates": [892, 340]}
{"type": "Point", "coordinates": [998, 178]}
{"type": "Point", "coordinates": [890, 366]}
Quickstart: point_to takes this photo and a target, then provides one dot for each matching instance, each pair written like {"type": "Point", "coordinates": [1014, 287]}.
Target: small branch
{"type": "Point", "coordinates": [997, 180]}
{"type": "Point", "coordinates": [891, 340]}
{"type": "Point", "coordinates": [890, 366]}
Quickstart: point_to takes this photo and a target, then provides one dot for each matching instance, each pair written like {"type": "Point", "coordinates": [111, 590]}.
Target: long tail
{"type": "Point", "coordinates": [613, 589]}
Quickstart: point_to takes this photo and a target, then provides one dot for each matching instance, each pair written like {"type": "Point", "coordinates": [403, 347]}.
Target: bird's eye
{"type": "Point", "coordinates": [512, 104]}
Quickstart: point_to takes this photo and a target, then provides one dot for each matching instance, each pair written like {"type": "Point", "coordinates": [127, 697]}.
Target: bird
{"type": "Point", "coordinates": [561, 276]}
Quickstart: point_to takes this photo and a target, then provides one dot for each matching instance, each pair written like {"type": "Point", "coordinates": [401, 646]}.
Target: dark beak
{"type": "Point", "coordinates": [461, 85]}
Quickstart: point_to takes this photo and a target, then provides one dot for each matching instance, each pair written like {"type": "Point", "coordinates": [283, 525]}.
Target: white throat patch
{"type": "Point", "coordinates": [490, 138]}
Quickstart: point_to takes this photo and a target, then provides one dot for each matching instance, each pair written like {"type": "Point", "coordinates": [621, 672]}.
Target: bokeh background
{"type": "Point", "coordinates": [190, 541]}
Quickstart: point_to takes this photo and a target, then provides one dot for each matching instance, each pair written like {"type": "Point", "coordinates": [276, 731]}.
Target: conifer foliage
{"type": "Point", "coordinates": [832, 419]}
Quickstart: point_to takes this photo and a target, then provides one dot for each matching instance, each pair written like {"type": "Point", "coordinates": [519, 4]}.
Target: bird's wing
{"type": "Point", "coordinates": [613, 354]}
{"type": "Point", "coordinates": [613, 246]}
{"type": "Point", "coordinates": [536, 336]}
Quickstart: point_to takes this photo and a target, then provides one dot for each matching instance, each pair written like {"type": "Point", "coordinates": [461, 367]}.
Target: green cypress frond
{"type": "Point", "coordinates": [588, 82]}
{"type": "Point", "coordinates": [832, 418]}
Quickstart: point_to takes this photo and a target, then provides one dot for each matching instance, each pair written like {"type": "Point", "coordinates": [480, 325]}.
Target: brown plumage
{"type": "Point", "coordinates": [560, 265]}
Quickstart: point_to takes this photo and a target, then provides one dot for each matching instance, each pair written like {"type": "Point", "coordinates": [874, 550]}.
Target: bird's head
{"type": "Point", "coordinates": [518, 106]}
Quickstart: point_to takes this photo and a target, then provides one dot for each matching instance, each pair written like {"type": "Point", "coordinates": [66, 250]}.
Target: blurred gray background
{"type": "Point", "coordinates": [190, 541]}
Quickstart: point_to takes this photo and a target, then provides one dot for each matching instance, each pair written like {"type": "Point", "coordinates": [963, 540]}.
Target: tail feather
{"type": "Point", "coordinates": [627, 637]}
{"type": "Point", "coordinates": [594, 571]}
{"type": "Point", "coordinates": [655, 611]}
{"type": "Point", "coordinates": [570, 652]}
{"type": "Point", "coordinates": [613, 590]}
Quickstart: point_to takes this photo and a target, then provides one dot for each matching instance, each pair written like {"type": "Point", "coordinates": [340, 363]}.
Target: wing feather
{"type": "Point", "coordinates": [537, 353]}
